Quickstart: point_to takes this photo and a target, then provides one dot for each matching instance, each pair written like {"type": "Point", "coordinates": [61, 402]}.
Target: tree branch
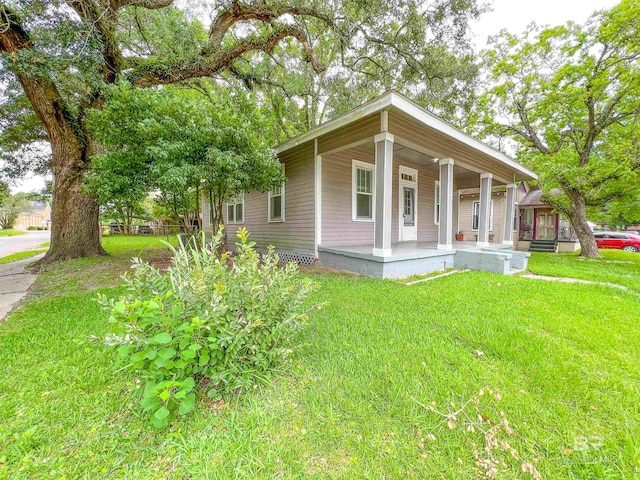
{"type": "Point", "coordinates": [148, 4]}
{"type": "Point", "coordinates": [147, 75]}
{"type": "Point", "coordinates": [238, 12]}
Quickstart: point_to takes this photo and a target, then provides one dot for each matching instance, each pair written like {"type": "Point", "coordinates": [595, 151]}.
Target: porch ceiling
{"type": "Point", "coordinates": [464, 177]}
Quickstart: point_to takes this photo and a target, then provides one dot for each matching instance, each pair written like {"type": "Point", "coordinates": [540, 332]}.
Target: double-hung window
{"type": "Point", "coordinates": [235, 210]}
{"type": "Point", "coordinates": [476, 216]}
{"type": "Point", "coordinates": [363, 191]}
{"type": "Point", "coordinates": [515, 216]}
{"type": "Point", "coordinates": [276, 203]}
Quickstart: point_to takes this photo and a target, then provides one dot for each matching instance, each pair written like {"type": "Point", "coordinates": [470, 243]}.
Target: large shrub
{"type": "Point", "coordinates": [211, 323]}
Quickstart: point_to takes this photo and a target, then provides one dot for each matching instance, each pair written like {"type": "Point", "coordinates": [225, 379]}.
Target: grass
{"type": "Point", "coordinates": [616, 266]}
{"type": "Point", "coordinates": [11, 233]}
{"type": "Point", "coordinates": [563, 358]}
{"type": "Point", "coordinates": [14, 257]}
{"type": "Point", "coordinates": [425, 276]}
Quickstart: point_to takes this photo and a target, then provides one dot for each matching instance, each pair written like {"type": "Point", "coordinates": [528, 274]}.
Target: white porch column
{"type": "Point", "coordinates": [509, 213]}
{"type": "Point", "coordinates": [485, 209]}
{"type": "Point", "coordinates": [445, 224]}
{"type": "Point", "coordinates": [383, 194]}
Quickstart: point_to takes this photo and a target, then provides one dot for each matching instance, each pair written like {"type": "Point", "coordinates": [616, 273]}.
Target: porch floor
{"type": "Point", "coordinates": [408, 250]}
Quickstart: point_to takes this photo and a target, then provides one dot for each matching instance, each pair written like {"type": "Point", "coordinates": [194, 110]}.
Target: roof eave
{"type": "Point", "coordinates": [393, 99]}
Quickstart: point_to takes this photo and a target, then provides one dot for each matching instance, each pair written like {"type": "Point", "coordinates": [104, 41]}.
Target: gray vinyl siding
{"type": "Point", "coordinates": [297, 232]}
{"type": "Point", "coordinates": [338, 228]}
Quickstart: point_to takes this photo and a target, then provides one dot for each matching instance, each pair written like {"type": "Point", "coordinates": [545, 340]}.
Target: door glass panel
{"type": "Point", "coordinates": [409, 206]}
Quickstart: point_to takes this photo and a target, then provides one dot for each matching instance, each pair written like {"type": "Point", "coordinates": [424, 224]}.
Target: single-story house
{"type": "Point", "coordinates": [37, 216]}
{"type": "Point", "coordinates": [377, 191]}
{"type": "Point", "coordinates": [542, 229]}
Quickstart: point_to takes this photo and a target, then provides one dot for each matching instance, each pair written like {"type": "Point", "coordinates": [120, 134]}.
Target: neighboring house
{"type": "Point", "coordinates": [38, 215]}
{"type": "Point", "coordinates": [375, 191]}
{"type": "Point", "coordinates": [542, 229]}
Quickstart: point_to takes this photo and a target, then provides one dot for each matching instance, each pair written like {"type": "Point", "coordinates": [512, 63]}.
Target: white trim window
{"type": "Point", "coordinates": [363, 191]}
{"type": "Point", "coordinates": [276, 202]}
{"type": "Point", "coordinates": [516, 211]}
{"type": "Point", "coordinates": [436, 204]}
{"type": "Point", "coordinates": [235, 210]}
{"type": "Point", "coordinates": [476, 216]}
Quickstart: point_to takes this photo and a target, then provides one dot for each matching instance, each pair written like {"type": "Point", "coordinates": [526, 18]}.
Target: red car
{"type": "Point", "coordinates": [620, 240]}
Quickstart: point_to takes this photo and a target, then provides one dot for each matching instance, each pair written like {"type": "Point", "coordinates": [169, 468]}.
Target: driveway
{"type": "Point", "coordinates": [20, 243]}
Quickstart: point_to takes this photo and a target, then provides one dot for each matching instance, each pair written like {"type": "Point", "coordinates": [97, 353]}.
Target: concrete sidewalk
{"type": "Point", "coordinates": [14, 283]}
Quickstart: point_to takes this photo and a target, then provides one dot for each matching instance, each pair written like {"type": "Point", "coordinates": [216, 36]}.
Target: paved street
{"type": "Point", "coordinates": [19, 243]}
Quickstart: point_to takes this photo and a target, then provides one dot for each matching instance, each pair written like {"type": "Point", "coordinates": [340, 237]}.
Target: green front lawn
{"type": "Point", "coordinates": [11, 233]}
{"type": "Point", "coordinates": [561, 361]}
{"type": "Point", "coordinates": [133, 244]}
{"type": "Point", "coordinates": [14, 257]}
{"type": "Point", "coordinates": [616, 266]}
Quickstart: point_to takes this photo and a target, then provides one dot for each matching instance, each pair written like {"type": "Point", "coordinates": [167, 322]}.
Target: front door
{"type": "Point", "coordinates": [408, 187]}
{"type": "Point", "coordinates": [545, 225]}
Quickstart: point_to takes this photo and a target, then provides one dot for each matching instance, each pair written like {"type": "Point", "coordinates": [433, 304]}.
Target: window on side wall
{"type": "Point", "coordinates": [362, 191]}
{"type": "Point", "coordinates": [235, 210]}
{"type": "Point", "coordinates": [515, 217]}
{"type": "Point", "coordinates": [276, 203]}
{"type": "Point", "coordinates": [436, 204]}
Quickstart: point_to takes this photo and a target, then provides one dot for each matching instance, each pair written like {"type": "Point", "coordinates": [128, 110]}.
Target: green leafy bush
{"type": "Point", "coordinates": [212, 323]}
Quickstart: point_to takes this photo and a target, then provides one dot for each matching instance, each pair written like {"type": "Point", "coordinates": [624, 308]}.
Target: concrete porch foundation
{"type": "Point", "coordinates": [409, 259]}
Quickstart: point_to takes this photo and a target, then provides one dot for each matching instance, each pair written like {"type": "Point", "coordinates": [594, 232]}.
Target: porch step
{"type": "Point", "coordinates": [548, 246]}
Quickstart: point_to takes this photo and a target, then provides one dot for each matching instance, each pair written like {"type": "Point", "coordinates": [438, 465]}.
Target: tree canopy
{"type": "Point", "coordinates": [58, 58]}
{"type": "Point", "coordinates": [569, 97]}
{"type": "Point", "coordinates": [174, 141]}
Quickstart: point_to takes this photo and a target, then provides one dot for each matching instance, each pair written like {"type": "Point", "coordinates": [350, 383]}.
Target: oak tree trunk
{"type": "Point", "coordinates": [75, 228]}
{"type": "Point", "coordinates": [578, 217]}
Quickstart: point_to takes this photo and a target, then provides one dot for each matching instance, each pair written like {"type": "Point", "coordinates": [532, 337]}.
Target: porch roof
{"type": "Point", "coordinates": [394, 102]}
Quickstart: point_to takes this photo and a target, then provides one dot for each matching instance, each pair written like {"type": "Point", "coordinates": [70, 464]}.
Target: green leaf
{"type": "Point", "coordinates": [119, 307]}
{"type": "Point", "coordinates": [150, 402]}
{"type": "Point", "coordinates": [137, 357]}
{"type": "Point", "coordinates": [187, 404]}
{"type": "Point", "coordinates": [124, 350]}
{"type": "Point", "coordinates": [161, 362]}
{"type": "Point", "coordinates": [159, 422]}
{"type": "Point", "coordinates": [151, 353]}
{"type": "Point", "coordinates": [167, 353]}
{"type": "Point", "coordinates": [162, 412]}
{"type": "Point", "coordinates": [188, 384]}
{"type": "Point", "coordinates": [164, 395]}
{"type": "Point", "coordinates": [188, 354]}
{"type": "Point", "coordinates": [161, 338]}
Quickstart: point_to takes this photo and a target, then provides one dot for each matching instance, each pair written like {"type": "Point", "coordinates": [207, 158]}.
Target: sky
{"type": "Point", "coordinates": [513, 15]}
